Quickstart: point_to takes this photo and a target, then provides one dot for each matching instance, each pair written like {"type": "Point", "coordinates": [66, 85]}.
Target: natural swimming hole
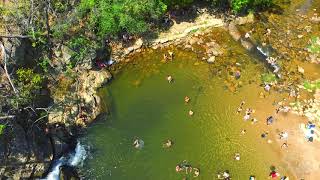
{"type": "Point", "coordinates": [142, 104]}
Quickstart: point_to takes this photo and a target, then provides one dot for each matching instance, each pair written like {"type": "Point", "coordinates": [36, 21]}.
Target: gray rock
{"type": "Point", "coordinates": [128, 50]}
{"type": "Point", "coordinates": [87, 62]}
{"type": "Point", "coordinates": [66, 54]}
{"type": "Point", "coordinates": [214, 49]}
{"type": "Point", "coordinates": [234, 32]}
{"type": "Point", "coordinates": [245, 20]}
{"type": "Point", "coordinates": [211, 59]}
{"type": "Point", "coordinates": [246, 44]}
{"type": "Point", "coordinates": [24, 153]}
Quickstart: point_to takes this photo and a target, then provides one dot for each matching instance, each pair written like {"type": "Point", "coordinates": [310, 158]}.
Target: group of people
{"type": "Point", "coordinates": [225, 175]}
{"type": "Point", "coordinates": [168, 56]}
{"type": "Point", "coordinates": [310, 132]}
{"type": "Point", "coordinates": [185, 166]}
{"type": "Point", "coordinates": [248, 113]}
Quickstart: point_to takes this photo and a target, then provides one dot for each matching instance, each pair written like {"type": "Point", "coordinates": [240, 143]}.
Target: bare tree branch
{"type": "Point", "coordinates": [7, 117]}
{"type": "Point", "coordinates": [39, 119]}
{"type": "Point", "coordinates": [15, 36]}
{"type": "Point", "coordinates": [4, 54]}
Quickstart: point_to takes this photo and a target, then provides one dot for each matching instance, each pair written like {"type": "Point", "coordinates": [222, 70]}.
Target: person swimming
{"type": "Point", "coordinates": [224, 175]}
{"type": "Point", "coordinates": [169, 78]}
{"type": "Point", "coordinates": [190, 112]}
{"type": "Point", "coordinates": [167, 144]}
{"type": "Point", "coordinates": [237, 156]}
{"type": "Point", "coordinates": [186, 99]}
{"type": "Point", "coordinates": [184, 165]}
{"type": "Point", "coordinates": [138, 143]}
{"type": "Point", "coordinates": [270, 120]}
{"type": "Point", "coordinates": [196, 172]}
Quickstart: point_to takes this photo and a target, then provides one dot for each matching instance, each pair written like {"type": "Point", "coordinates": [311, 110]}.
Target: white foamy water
{"type": "Point", "coordinates": [73, 159]}
{"type": "Point", "coordinates": [261, 51]}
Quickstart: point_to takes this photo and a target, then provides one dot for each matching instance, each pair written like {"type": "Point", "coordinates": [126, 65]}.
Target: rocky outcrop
{"type": "Point", "coordinates": [27, 152]}
{"type": "Point", "coordinates": [79, 103]}
{"type": "Point", "coordinates": [176, 33]}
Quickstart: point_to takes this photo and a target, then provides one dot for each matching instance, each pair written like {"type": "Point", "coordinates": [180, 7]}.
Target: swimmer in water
{"type": "Point", "coordinates": [169, 78]}
{"type": "Point", "coordinates": [237, 156]}
{"type": "Point", "coordinates": [196, 172]}
{"type": "Point", "coordinates": [186, 99]}
{"type": "Point", "coordinates": [190, 113]}
{"type": "Point", "coordinates": [167, 144]}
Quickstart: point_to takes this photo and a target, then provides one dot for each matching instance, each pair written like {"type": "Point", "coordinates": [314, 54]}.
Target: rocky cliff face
{"type": "Point", "coordinates": [27, 151]}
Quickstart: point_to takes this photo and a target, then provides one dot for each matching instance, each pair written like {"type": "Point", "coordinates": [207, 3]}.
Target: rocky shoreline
{"type": "Point", "coordinates": [75, 103]}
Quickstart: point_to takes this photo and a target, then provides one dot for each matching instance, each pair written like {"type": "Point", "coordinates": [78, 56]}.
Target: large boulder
{"type": "Point", "coordinates": [24, 154]}
{"type": "Point", "coordinates": [234, 32]}
{"type": "Point", "coordinates": [79, 104]}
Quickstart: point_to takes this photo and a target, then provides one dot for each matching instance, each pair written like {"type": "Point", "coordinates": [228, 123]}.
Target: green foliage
{"type": "Point", "coordinates": [311, 86]}
{"type": "Point", "coordinates": [2, 127]}
{"type": "Point", "coordinates": [63, 88]}
{"type": "Point", "coordinates": [245, 5]}
{"type": "Point", "coordinates": [37, 38]}
{"type": "Point", "coordinates": [60, 6]}
{"type": "Point", "coordinates": [239, 5]}
{"type": "Point", "coordinates": [44, 63]}
{"type": "Point", "coordinates": [113, 17]}
{"type": "Point", "coordinates": [268, 78]}
{"type": "Point", "coordinates": [28, 83]}
{"type": "Point", "coordinates": [180, 3]}
{"type": "Point", "coordinates": [314, 46]}
{"type": "Point", "coordinates": [81, 47]}
{"type": "Point", "coordinates": [59, 30]}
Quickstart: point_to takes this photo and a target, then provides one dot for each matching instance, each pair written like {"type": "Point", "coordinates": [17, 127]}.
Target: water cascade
{"type": "Point", "coordinates": [73, 159]}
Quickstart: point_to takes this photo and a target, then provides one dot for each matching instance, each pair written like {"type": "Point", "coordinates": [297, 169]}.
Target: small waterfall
{"type": "Point", "coordinates": [111, 61]}
{"type": "Point", "coordinates": [72, 159]}
{"type": "Point", "coordinates": [270, 61]}
{"type": "Point", "coordinates": [262, 52]}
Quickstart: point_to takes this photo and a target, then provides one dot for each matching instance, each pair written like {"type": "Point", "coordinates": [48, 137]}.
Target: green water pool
{"type": "Point", "coordinates": [141, 103]}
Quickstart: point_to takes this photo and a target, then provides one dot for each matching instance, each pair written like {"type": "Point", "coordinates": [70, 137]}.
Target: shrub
{"type": "Point", "coordinates": [314, 46]}
{"type": "Point", "coordinates": [239, 6]}
{"type": "Point", "coordinates": [268, 78]}
{"type": "Point", "coordinates": [2, 127]}
{"type": "Point", "coordinates": [113, 17]}
{"type": "Point", "coordinates": [28, 83]}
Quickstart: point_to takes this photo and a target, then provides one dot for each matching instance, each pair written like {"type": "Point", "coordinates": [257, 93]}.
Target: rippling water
{"type": "Point", "coordinates": [143, 104]}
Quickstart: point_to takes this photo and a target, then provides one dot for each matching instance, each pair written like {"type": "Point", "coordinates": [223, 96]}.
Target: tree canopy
{"type": "Point", "coordinates": [113, 16]}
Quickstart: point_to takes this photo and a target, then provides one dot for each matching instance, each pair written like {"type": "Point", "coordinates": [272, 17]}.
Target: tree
{"type": "Point", "coordinates": [113, 17]}
{"type": "Point", "coordinates": [180, 3]}
{"type": "Point", "coordinates": [28, 83]}
{"type": "Point", "coordinates": [239, 6]}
